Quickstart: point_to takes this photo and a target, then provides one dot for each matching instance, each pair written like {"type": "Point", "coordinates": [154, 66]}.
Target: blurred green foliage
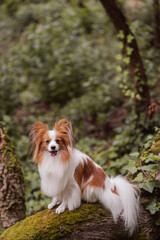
{"type": "Point", "coordinates": [144, 167]}
{"type": "Point", "coordinates": [62, 60]}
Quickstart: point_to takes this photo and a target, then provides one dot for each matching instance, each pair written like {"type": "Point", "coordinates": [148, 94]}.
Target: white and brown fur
{"type": "Point", "coordinates": [68, 175]}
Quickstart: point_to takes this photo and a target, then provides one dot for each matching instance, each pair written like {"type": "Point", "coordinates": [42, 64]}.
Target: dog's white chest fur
{"type": "Point", "coordinates": [54, 174]}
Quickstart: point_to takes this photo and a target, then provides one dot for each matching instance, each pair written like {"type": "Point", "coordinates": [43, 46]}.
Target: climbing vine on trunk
{"type": "Point", "coordinates": [131, 56]}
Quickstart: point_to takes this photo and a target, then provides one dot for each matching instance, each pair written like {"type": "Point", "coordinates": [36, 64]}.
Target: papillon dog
{"type": "Point", "coordinates": [69, 176]}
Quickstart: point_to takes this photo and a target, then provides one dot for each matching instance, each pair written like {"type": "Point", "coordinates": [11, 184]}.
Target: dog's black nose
{"type": "Point", "coordinates": [53, 147]}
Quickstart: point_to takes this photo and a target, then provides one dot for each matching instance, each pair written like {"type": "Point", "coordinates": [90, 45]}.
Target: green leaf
{"type": "Point", "coordinates": [6, 118]}
{"type": "Point", "coordinates": [120, 85]}
{"type": "Point", "coordinates": [147, 145]}
{"type": "Point", "coordinates": [126, 60]}
{"type": "Point", "coordinates": [130, 38]}
{"type": "Point", "coordinates": [129, 51]}
{"type": "Point", "coordinates": [131, 167]}
{"type": "Point", "coordinates": [119, 69]}
{"type": "Point", "coordinates": [152, 206]}
{"type": "Point", "coordinates": [121, 35]}
{"type": "Point", "coordinates": [151, 167]}
{"type": "Point", "coordinates": [132, 95]}
{"type": "Point", "coordinates": [128, 93]}
{"type": "Point", "coordinates": [125, 73]}
{"type": "Point", "coordinates": [138, 97]}
{"type": "Point", "coordinates": [139, 177]}
{"type": "Point", "coordinates": [119, 57]}
{"type": "Point", "coordinates": [134, 154]}
{"type": "Point", "coordinates": [148, 186]}
{"type": "Point", "coordinates": [118, 78]}
{"type": "Point", "coordinates": [113, 155]}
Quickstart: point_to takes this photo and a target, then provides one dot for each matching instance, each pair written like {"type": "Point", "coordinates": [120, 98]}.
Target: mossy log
{"type": "Point", "coordinates": [90, 221]}
{"type": "Point", "coordinates": [12, 193]}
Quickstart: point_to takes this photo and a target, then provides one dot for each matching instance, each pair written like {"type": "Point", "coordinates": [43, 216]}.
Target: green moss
{"type": "Point", "coordinates": [8, 154]}
{"type": "Point", "coordinates": [47, 225]}
{"type": "Point", "coordinates": [141, 236]}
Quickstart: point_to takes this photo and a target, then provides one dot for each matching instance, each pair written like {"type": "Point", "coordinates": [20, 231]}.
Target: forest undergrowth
{"type": "Point", "coordinates": [64, 60]}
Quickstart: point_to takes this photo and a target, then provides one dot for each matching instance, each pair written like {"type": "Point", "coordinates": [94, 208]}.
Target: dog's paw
{"type": "Point", "coordinates": [73, 205]}
{"type": "Point", "coordinates": [51, 205]}
{"type": "Point", "coordinates": [54, 202]}
{"type": "Point", "coordinates": [60, 209]}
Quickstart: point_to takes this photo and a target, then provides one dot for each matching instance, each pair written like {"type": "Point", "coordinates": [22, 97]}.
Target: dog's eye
{"type": "Point", "coordinates": [57, 141]}
{"type": "Point", "coordinates": [47, 141]}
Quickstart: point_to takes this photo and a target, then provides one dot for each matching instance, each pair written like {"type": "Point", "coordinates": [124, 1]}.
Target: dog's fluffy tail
{"type": "Point", "coordinates": [120, 197]}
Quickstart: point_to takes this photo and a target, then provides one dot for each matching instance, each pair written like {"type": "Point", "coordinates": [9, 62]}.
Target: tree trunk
{"type": "Point", "coordinates": [90, 221]}
{"type": "Point", "coordinates": [12, 194]}
{"type": "Point", "coordinates": [156, 23]}
{"type": "Point", "coordinates": [136, 67]}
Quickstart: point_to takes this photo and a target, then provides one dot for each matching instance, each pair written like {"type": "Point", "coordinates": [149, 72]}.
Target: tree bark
{"type": "Point", "coordinates": [12, 194]}
{"type": "Point", "coordinates": [136, 67]}
{"type": "Point", "coordinates": [90, 221]}
{"type": "Point", "coordinates": [156, 23]}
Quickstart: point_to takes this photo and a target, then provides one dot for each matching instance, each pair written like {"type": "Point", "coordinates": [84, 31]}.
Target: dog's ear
{"type": "Point", "coordinates": [38, 126]}
{"type": "Point", "coordinates": [62, 124]}
{"type": "Point", "coordinates": [36, 135]}
{"type": "Point", "coordinates": [65, 127]}
{"type": "Point", "coordinates": [38, 130]}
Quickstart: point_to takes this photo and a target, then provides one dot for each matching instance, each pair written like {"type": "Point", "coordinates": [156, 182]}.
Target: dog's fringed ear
{"type": "Point", "coordinates": [35, 136]}
{"type": "Point", "coordinates": [65, 127]}
{"type": "Point", "coordinates": [62, 124]}
{"type": "Point", "coordinates": [38, 126]}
